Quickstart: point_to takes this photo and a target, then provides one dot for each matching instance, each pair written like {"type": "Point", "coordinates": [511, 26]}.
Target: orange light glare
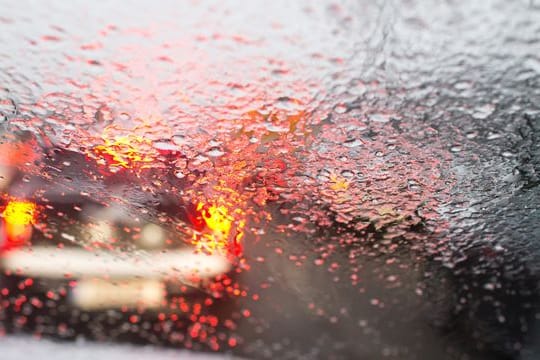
{"type": "Point", "coordinates": [220, 223]}
{"type": "Point", "coordinates": [126, 152]}
{"type": "Point", "coordinates": [217, 219]}
{"type": "Point", "coordinates": [338, 183]}
{"type": "Point", "coordinates": [18, 219]}
{"type": "Point", "coordinates": [19, 213]}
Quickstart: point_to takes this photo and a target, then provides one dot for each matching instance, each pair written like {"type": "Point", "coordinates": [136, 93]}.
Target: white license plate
{"type": "Point", "coordinates": [96, 294]}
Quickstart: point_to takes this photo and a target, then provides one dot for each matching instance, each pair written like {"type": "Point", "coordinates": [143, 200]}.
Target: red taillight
{"type": "Point", "coordinates": [222, 234]}
{"type": "Point", "coordinates": [18, 219]}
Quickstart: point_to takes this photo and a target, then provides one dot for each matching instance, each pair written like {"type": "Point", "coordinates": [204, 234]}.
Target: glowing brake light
{"type": "Point", "coordinates": [19, 216]}
{"type": "Point", "coordinates": [219, 238]}
{"type": "Point", "coordinates": [217, 219]}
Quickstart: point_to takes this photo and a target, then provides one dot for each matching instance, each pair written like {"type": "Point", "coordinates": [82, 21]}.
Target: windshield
{"type": "Point", "coordinates": [351, 179]}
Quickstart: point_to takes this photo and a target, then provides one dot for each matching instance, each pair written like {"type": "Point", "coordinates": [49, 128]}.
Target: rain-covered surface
{"type": "Point", "coordinates": [381, 159]}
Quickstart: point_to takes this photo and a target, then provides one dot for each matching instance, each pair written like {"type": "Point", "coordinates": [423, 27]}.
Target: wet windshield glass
{"type": "Point", "coordinates": [272, 180]}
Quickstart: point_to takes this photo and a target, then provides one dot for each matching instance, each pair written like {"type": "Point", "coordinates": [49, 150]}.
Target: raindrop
{"type": "Point", "coordinates": [124, 116]}
{"type": "Point", "coordinates": [215, 152]}
{"type": "Point", "coordinates": [166, 148]}
{"type": "Point", "coordinates": [381, 118]}
{"type": "Point", "coordinates": [323, 175]}
{"type": "Point", "coordinates": [508, 154]}
{"type": "Point", "coordinates": [351, 143]}
{"type": "Point", "coordinates": [319, 262]}
{"type": "Point", "coordinates": [289, 104]}
{"type": "Point", "coordinates": [483, 112]}
{"type": "Point", "coordinates": [340, 109]}
{"type": "Point", "coordinates": [179, 140]}
{"type": "Point", "coordinates": [275, 128]}
{"type": "Point", "coordinates": [347, 174]}
{"type": "Point", "coordinates": [214, 143]}
{"type": "Point", "coordinates": [493, 136]}
{"type": "Point", "coordinates": [362, 323]}
{"type": "Point", "coordinates": [489, 286]}
{"type": "Point", "coordinates": [463, 85]}
{"type": "Point", "coordinates": [199, 159]}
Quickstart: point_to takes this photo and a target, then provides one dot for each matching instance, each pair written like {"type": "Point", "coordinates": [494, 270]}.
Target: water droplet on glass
{"type": "Point", "coordinates": [179, 140]}
{"type": "Point", "coordinates": [215, 152]}
{"type": "Point", "coordinates": [351, 143]}
{"type": "Point", "coordinates": [166, 148]}
{"type": "Point", "coordinates": [340, 109]}
{"type": "Point", "coordinates": [482, 112]}
{"type": "Point", "coordinates": [381, 118]}
{"type": "Point", "coordinates": [493, 136]}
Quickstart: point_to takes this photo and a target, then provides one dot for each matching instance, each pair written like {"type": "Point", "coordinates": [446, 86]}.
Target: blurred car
{"type": "Point", "coordinates": [93, 233]}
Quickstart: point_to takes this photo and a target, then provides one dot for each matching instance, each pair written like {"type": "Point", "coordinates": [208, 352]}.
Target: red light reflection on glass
{"type": "Point", "coordinates": [19, 217]}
